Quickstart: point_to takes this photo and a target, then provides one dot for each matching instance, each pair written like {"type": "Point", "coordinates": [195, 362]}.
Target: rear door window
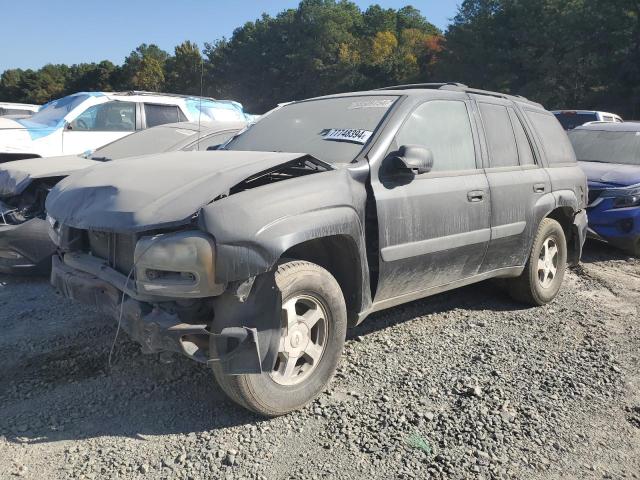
{"type": "Point", "coordinates": [555, 142]}
{"type": "Point", "coordinates": [161, 114]}
{"type": "Point", "coordinates": [503, 151]}
{"type": "Point", "coordinates": [524, 146]}
{"type": "Point", "coordinates": [443, 126]}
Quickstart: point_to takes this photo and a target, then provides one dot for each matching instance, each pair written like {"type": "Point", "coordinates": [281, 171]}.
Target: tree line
{"type": "Point", "coordinates": [562, 53]}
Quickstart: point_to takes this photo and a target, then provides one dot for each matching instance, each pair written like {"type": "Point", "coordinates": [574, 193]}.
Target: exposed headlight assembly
{"type": "Point", "coordinates": [54, 230]}
{"type": "Point", "coordinates": [180, 264]}
{"type": "Point", "coordinates": [624, 197]}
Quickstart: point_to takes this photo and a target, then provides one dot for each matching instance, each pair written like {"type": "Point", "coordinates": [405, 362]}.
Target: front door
{"type": "Point", "coordinates": [434, 227]}
{"type": "Point", "coordinates": [99, 125]}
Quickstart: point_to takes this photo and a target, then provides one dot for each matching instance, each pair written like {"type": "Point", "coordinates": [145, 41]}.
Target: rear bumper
{"type": "Point", "coordinates": [159, 329]}
{"type": "Point", "coordinates": [26, 248]}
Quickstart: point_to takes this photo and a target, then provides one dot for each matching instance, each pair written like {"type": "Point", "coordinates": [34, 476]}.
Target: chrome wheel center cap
{"type": "Point", "coordinates": [297, 340]}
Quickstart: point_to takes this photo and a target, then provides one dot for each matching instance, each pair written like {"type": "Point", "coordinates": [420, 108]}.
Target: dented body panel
{"type": "Point", "coordinates": [387, 234]}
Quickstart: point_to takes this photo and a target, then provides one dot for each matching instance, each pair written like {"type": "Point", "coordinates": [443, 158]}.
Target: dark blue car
{"type": "Point", "coordinates": [609, 153]}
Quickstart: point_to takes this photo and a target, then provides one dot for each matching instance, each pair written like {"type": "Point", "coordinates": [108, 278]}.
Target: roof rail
{"type": "Point", "coordinates": [160, 94]}
{"type": "Point", "coordinates": [458, 87]}
{"type": "Point", "coordinates": [411, 86]}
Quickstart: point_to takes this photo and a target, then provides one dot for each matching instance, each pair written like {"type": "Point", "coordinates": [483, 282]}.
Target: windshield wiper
{"type": "Point", "coordinates": [101, 159]}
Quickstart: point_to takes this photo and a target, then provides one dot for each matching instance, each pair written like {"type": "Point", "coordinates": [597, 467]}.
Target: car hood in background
{"type": "Point", "coordinates": [16, 176]}
{"type": "Point", "coordinates": [144, 193]}
{"type": "Point", "coordinates": [611, 174]}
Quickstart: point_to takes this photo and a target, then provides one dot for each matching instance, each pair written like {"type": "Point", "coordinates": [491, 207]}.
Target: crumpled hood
{"type": "Point", "coordinates": [152, 191]}
{"type": "Point", "coordinates": [16, 176]}
{"type": "Point", "coordinates": [611, 174]}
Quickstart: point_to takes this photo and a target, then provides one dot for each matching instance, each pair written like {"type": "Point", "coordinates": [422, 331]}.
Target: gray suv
{"type": "Point", "coordinates": [256, 258]}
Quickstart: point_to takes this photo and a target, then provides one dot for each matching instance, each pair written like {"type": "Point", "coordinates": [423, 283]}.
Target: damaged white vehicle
{"type": "Point", "coordinates": [84, 121]}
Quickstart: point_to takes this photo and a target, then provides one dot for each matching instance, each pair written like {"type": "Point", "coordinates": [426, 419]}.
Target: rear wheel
{"type": "Point", "coordinates": [313, 329]}
{"type": "Point", "coordinates": [542, 277]}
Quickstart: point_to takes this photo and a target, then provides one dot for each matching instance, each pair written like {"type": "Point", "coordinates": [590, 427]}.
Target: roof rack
{"type": "Point", "coordinates": [160, 94]}
{"type": "Point", "coordinates": [412, 86]}
{"type": "Point", "coordinates": [457, 87]}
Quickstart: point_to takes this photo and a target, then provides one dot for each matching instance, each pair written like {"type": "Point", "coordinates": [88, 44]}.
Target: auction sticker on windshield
{"type": "Point", "coordinates": [346, 135]}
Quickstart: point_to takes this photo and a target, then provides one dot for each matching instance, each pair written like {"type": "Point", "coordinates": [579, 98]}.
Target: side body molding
{"type": "Point", "coordinates": [253, 228]}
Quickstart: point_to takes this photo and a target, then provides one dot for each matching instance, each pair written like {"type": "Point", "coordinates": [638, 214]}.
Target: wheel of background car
{"type": "Point", "coordinates": [542, 277]}
{"type": "Point", "coordinates": [314, 322]}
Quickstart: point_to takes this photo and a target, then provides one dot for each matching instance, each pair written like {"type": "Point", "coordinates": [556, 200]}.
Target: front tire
{"type": "Point", "coordinates": [542, 277]}
{"type": "Point", "coordinates": [314, 323]}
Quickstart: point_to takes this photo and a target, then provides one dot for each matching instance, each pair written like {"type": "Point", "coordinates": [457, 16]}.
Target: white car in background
{"type": "Point", "coordinates": [570, 119]}
{"type": "Point", "coordinates": [17, 109]}
{"type": "Point", "coordinates": [85, 121]}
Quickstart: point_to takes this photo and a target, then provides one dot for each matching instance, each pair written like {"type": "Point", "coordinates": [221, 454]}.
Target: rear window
{"type": "Point", "coordinates": [606, 147]}
{"type": "Point", "coordinates": [554, 139]}
{"type": "Point", "coordinates": [571, 120]}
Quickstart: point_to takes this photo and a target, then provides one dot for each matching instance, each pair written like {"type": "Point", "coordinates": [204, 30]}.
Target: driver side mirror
{"type": "Point", "coordinates": [415, 158]}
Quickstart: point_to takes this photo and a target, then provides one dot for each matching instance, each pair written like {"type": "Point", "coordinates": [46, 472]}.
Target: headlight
{"type": "Point", "coordinates": [180, 264]}
{"type": "Point", "coordinates": [54, 230]}
{"type": "Point", "coordinates": [628, 201]}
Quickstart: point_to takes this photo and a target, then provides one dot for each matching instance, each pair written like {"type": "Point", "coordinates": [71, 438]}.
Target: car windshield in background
{"type": "Point", "coordinates": [52, 114]}
{"type": "Point", "coordinates": [606, 146]}
{"type": "Point", "coordinates": [153, 140]}
{"type": "Point", "coordinates": [333, 130]}
{"type": "Point", "coordinates": [571, 120]}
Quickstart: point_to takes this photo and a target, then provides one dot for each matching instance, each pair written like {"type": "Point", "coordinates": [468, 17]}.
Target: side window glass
{"type": "Point", "coordinates": [499, 132]}
{"type": "Point", "coordinates": [107, 117]}
{"type": "Point", "coordinates": [524, 147]}
{"type": "Point", "coordinates": [444, 127]}
{"type": "Point", "coordinates": [160, 114]}
{"type": "Point", "coordinates": [555, 142]}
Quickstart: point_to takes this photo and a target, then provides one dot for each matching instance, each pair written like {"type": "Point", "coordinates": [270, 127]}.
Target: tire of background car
{"type": "Point", "coordinates": [542, 277]}
{"type": "Point", "coordinates": [314, 324]}
{"type": "Point", "coordinates": [635, 250]}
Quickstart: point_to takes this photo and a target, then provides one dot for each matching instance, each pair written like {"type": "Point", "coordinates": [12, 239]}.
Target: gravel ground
{"type": "Point", "coordinates": [466, 384]}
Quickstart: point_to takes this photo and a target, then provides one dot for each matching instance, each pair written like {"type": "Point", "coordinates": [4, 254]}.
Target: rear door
{"type": "Point", "coordinates": [516, 178]}
{"type": "Point", "coordinates": [433, 227]}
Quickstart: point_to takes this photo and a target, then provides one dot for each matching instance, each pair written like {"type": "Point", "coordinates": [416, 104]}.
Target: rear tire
{"type": "Point", "coordinates": [542, 277]}
{"type": "Point", "coordinates": [314, 327]}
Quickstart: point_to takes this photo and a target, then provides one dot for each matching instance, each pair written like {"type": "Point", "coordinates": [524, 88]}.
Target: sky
{"type": "Point", "coordinates": [37, 32]}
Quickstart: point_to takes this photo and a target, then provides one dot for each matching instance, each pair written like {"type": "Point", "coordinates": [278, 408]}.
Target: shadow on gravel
{"type": "Point", "coordinates": [596, 252]}
{"type": "Point", "coordinates": [488, 295]}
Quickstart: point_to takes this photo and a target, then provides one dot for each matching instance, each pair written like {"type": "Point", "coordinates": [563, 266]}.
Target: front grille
{"type": "Point", "coordinates": [116, 248]}
{"type": "Point", "coordinates": [593, 195]}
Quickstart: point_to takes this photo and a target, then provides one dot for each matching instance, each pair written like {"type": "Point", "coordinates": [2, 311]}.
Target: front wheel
{"type": "Point", "coordinates": [313, 330]}
{"type": "Point", "coordinates": [542, 277]}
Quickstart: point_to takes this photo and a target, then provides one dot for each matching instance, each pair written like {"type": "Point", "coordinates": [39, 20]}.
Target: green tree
{"type": "Point", "coordinates": [183, 71]}
{"type": "Point", "coordinates": [143, 69]}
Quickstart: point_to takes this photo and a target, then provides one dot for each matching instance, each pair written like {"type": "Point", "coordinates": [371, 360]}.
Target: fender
{"type": "Point", "coordinates": [253, 228]}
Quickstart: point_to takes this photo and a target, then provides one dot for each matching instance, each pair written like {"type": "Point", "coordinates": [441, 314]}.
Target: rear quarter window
{"type": "Point", "coordinates": [555, 143]}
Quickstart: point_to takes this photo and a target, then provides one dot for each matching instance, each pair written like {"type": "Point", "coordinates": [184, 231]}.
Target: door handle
{"type": "Point", "coordinates": [539, 188]}
{"type": "Point", "coordinates": [475, 195]}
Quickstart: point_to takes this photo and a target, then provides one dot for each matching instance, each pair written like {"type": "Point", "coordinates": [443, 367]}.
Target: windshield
{"type": "Point", "coordinates": [52, 114]}
{"type": "Point", "coordinates": [571, 120]}
{"type": "Point", "coordinates": [144, 142]}
{"type": "Point", "coordinates": [607, 147]}
{"type": "Point", "coordinates": [333, 130]}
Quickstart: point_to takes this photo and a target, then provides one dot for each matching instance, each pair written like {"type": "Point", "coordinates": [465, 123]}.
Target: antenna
{"type": "Point", "coordinates": [200, 101]}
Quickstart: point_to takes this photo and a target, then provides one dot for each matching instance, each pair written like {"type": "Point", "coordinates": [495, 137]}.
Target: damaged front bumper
{"type": "Point", "coordinates": [25, 247]}
{"type": "Point", "coordinates": [241, 334]}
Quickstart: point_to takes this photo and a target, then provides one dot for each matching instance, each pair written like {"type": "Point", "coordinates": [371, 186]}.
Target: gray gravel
{"type": "Point", "coordinates": [463, 385]}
